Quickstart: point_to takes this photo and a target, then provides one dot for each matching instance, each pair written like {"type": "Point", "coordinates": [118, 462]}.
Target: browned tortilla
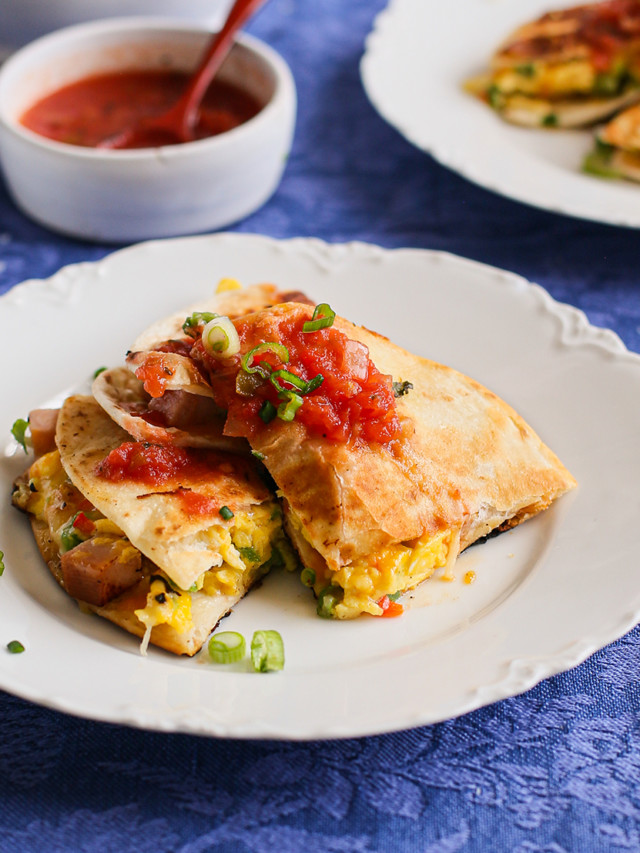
{"type": "Point", "coordinates": [467, 461]}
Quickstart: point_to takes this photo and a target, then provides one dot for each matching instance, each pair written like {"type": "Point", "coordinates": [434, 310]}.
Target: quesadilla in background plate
{"type": "Point", "coordinates": [616, 153]}
{"type": "Point", "coordinates": [570, 68]}
{"type": "Point", "coordinates": [158, 539]}
{"type": "Point", "coordinates": [387, 464]}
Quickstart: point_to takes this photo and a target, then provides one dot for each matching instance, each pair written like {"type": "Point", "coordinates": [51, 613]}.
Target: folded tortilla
{"type": "Point", "coordinates": [373, 520]}
{"type": "Point", "coordinates": [157, 558]}
{"type": "Point", "coordinates": [616, 153]}
{"type": "Point", "coordinates": [569, 68]}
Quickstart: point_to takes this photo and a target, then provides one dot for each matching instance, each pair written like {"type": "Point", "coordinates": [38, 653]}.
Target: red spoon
{"type": "Point", "coordinates": [177, 124]}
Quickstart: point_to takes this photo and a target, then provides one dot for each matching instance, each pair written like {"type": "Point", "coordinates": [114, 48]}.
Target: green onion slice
{"type": "Point", "coordinates": [308, 577]}
{"type": "Point", "coordinates": [97, 372]}
{"type": "Point", "coordinates": [314, 383]}
{"type": "Point", "coordinates": [70, 536]}
{"type": "Point", "coordinates": [287, 410]}
{"type": "Point", "coordinates": [220, 338]}
{"type": "Point", "coordinates": [279, 376]}
{"type": "Point", "coordinates": [268, 346]}
{"type": "Point", "coordinates": [225, 512]}
{"type": "Point", "coordinates": [1, 562]}
{"type": "Point", "coordinates": [327, 600]}
{"type": "Point", "coordinates": [195, 320]}
{"type": "Point", "coordinates": [15, 647]}
{"type": "Point", "coordinates": [267, 651]}
{"type": "Point", "coordinates": [227, 647]}
{"type": "Point", "coordinates": [267, 411]}
{"type": "Point", "coordinates": [322, 318]}
{"type": "Point", "coordinates": [19, 432]}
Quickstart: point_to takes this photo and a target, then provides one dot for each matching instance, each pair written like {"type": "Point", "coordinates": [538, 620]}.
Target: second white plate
{"type": "Point", "coordinates": [416, 60]}
{"type": "Point", "coordinates": [546, 595]}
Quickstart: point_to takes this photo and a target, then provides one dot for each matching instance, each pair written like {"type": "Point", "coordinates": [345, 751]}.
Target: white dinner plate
{"type": "Point", "coordinates": [546, 594]}
{"type": "Point", "coordinates": [416, 60]}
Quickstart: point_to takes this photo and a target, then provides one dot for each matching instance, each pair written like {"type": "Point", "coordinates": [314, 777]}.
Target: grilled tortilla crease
{"type": "Point", "coordinates": [375, 519]}
{"type": "Point", "coordinates": [151, 553]}
{"type": "Point", "coordinates": [569, 68]}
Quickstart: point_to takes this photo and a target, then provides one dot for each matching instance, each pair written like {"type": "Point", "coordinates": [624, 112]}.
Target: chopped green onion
{"type": "Point", "coordinates": [227, 647]}
{"type": "Point", "coordinates": [526, 70]}
{"type": "Point", "coordinates": [550, 120]}
{"type": "Point", "coordinates": [225, 512]}
{"type": "Point", "coordinates": [220, 338]}
{"type": "Point", "coordinates": [97, 372]}
{"type": "Point", "coordinates": [70, 536]}
{"type": "Point", "coordinates": [195, 320]}
{"type": "Point", "coordinates": [15, 647]}
{"type": "Point", "coordinates": [401, 388]}
{"type": "Point", "coordinates": [287, 410]}
{"type": "Point", "coordinates": [249, 555]}
{"type": "Point", "coordinates": [275, 561]}
{"type": "Point", "coordinates": [327, 600]}
{"type": "Point", "coordinates": [268, 346]}
{"type": "Point", "coordinates": [495, 97]}
{"type": "Point", "coordinates": [1, 562]}
{"type": "Point", "coordinates": [314, 383]}
{"type": "Point", "coordinates": [394, 596]}
{"type": "Point", "coordinates": [257, 454]}
{"type": "Point", "coordinates": [19, 432]}
{"type": "Point", "coordinates": [308, 577]}
{"type": "Point", "coordinates": [323, 317]}
{"type": "Point", "coordinates": [287, 376]}
{"type": "Point", "coordinates": [267, 411]}
{"type": "Point", "coordinates": [267, 651]}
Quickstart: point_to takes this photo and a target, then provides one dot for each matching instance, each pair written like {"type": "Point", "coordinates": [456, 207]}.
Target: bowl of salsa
{"type": "Point", "coordinates": [65, 93]}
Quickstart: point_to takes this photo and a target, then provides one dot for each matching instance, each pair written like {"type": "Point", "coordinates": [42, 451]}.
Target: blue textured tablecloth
{"type": "Point", "coordinates": [554, 770]}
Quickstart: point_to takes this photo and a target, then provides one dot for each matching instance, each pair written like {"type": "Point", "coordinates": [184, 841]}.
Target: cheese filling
{"type": "Point", "coordinates": [249, 546]}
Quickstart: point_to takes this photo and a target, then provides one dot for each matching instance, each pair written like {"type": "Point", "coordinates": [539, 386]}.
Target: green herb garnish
{"type": "Point", "coordinates": [195, 320]}
{"type": "Point", "coordinates": [1, 562]}
{"type": "Point", "coordinates": [550, 120]}
{"type": "Point", "coordinates": [97, 372]}
{"type": "Point", "coordinates": [401, 388]}
{"type": "Point", "coordinates": [19, 432]}
{"type": "Point", "coordinates": [225, 512]}
{"type": "Point", "coordinates": [15, 647]}
{"type": "Point", "coordinates": [323, 317]}
{"type": "Point", "coordinates": [267, 651]}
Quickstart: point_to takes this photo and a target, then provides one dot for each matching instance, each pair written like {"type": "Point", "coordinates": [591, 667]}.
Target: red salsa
{"type": "Point", "coordinates": [96, 108]}
{"type": "Point", "coordinates": [354, 400]}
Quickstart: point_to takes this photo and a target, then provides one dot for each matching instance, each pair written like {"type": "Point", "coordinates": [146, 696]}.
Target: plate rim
{"type": "Point", "coordinates": [445, 153]}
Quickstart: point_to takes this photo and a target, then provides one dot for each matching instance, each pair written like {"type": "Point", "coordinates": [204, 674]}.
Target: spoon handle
{"type": "Point", "coordinates": [215, 56]}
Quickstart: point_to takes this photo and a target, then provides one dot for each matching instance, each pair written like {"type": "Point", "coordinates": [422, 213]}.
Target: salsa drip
{"type": "Point", "coordinates": [604, 28]}
{"type": "Point", "coordinates": [101, 106]}
{"type": "Point", "coordinates": [352, 400]}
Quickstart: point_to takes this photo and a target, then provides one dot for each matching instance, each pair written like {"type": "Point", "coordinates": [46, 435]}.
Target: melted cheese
{"type": "Point", "coordinates": [393, 569]}
{"type": "Point", "coordinates": [245, 545]}
{"type": "Point", "coordinates": [563, 78]}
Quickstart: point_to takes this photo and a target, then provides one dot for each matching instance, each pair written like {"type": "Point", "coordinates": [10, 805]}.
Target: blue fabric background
{"type": "Point", "coordinates": [554, 770]}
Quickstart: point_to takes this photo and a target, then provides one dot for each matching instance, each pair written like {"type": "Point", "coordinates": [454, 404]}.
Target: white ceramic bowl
{"type": "Point", "coordinates": [21, 21]}
{"type": "Point", "coordinates": [126, 196]}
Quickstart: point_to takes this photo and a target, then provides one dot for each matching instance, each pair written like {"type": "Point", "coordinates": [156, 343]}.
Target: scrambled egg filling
{"type": "Point", "coordinates": [393, 569]}
{"type": "Point", "coordinates": [250, 545]}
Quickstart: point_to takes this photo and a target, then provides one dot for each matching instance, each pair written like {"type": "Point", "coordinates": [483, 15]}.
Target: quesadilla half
{"type": "Point", "coordinates": [569, 68]}
{"type": "Point", "coordinates": [158, 539]}
{"type": "Point", "coordinates": [387, 464]}
{"type": "Point", "coordinates": [616, 153]}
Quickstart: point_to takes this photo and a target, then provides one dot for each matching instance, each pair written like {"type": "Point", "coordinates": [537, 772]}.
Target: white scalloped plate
{"type": "Point", "coordinates": [546, 595]}
{"type": "Point", "coordinates": [417, 57]}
